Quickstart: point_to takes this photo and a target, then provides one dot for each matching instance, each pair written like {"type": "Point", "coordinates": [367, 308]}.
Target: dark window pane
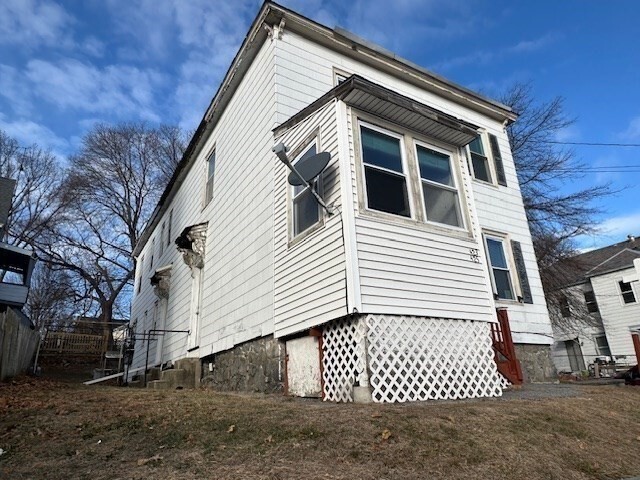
{"type": "Point", "coordinates": [480, 167]}
{"type": "Point", "coordinates": [305, 212]}
{"type": "Point", "coordinates": [386, 192]}
{"type": "Point", "coordinates": [503, 284]}
{"type": "Point", "coordinates": [627, 292]}
{"type": "Point", "coordinates": [381, 150]}
{"type": "Point", "coordinates": [441, 205]}
{"type": "Point", "coordinates": [310, 151]}
{"type": "Point", "coordinates": [603, 346]}
{"type": "Point", "coordinates": [496, 253]}
{"type": "Point", "coordinates": [435, 166]}
{"type": "Point", "coordinates": [476, 146]}
{"type": "Point", "coordinates": [590, 300]}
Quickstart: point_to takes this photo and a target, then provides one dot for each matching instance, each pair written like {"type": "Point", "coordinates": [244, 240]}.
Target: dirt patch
{"type": "Point", "coordinates": [56, 431]}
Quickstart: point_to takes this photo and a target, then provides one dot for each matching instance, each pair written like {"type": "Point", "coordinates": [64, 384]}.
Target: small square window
{"type": "Point", "coordinates": [306, 210]}
{"type": "Point", "coordinates": [628, 295]}
{"type": "Point", "coordinates": [500, 274]}
{"type": "Point", "coordinates": [479, 160]}
{"type": "Point", "coordinates": [386, 183]}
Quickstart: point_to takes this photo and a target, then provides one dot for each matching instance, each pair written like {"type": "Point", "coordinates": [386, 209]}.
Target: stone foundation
{"type": "Point", "coordinates": [537, 365]}
{"type": "Point", "coordinates": [254, 366]}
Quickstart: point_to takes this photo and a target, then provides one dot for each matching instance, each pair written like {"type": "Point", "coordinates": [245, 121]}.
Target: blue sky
{"type": "Point", "coordinates": [67, 64]}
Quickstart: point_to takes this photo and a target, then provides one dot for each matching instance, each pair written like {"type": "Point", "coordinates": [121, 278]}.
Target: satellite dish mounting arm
{"type": "Point", "coordinates": [281, 152]}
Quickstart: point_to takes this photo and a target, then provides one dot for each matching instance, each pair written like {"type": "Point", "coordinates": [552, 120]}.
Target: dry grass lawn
{"type": "Point", "coordinates": [51, 430]}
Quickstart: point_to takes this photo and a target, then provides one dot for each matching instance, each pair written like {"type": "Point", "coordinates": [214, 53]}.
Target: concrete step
{"type": "Point", "coordinates": [136, 384]}
{"type": "Point", "coordinates": [178, 378]}
{"type": "Point", "coordinates": [159, 385]}
{"type": "Point", "coordinates": [192, 367]}
{"type": "Point", "coordinates": [153, 374]}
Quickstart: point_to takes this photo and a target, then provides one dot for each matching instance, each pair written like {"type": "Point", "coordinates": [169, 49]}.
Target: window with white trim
{"type": "Point", "coordinates": [306, 210]}
{"type": "Point", "coordinates": [626, 290]}
{"type": "Point", "coordinates": [211, 169]}
{"type": "Point", "coordinates": [169, 227]}
{"type": "Point", "coordinates": [480, 160]}
{"type": "Point", "coordinates": [501, 278]}
{"type": "Point", "coordinates": [439, 190]}
{"type": "Point", "coordinates": [162, 231]}
{"type": "Point", "coordinates": [384, 174]}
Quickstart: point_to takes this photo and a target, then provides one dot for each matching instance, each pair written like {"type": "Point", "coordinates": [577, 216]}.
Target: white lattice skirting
{"type": "Point", "coordinates": [409, 359]}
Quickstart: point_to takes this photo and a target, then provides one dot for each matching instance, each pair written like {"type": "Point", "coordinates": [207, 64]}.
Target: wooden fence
{"type": "Point", "coordinates": [76, 343]}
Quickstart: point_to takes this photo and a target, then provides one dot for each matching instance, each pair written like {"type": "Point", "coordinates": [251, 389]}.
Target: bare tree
{"type": "Point", "coordinates": [36, 201]}
{"type": "Point", "coordinates": [556, 214]}
{"type": "Point", "coordinates": [53, 299]}
{"type": "Point", "coordinates": [112, 187]}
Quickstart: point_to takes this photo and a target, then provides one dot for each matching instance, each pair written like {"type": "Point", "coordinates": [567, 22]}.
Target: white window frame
{"type": "Point", "coordinates": [515, 287]}
{"type": "Point", "coordinates": [339, 74]}
{"type": "Point", "coordinates": [169, 222]}
{"type": "Point", "coordinates": [488, 154]}
{"type": "Point", "coordinates": [210, 176]}
{"type": "Point", "coordinates": [162, 234]}
{"type": "Point", "coordinates": [455, 188]}
{"type": "Point", "coordinates": [405, 168]}
{"type": "Point", "coordinates": [306, 145]}
{"type": "Point", "coordinates": [631, 289]}
{"type": "Point", "coordinates": [595, 341]}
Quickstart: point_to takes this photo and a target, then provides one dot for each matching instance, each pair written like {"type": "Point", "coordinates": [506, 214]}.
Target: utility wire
{"type": "Point", "coordinates": [592, 144]}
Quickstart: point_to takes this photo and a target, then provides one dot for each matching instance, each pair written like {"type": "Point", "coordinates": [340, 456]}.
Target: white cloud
{"type": "Point", "coordinates": [15, 91]}
{"type": "Point", "coordinates": [27, 132]}
{"type": "Point", "coordinates": [115, 89]}
{"type": "Point", "coordinates": [633, 130]}
{"type": "Point", "coordinates": [612, 230]}
{"type": "Point", "coordinates": [484, 57]}
{"type": "Point", "coordinates": [32, 23]}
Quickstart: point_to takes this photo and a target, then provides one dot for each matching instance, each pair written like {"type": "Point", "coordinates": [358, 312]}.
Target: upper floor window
{"type": "Point", "coordinates": [169, 227]}
{"type": "Point", "coordinates": [590, 300]}
{"type": "Point", "coordinates": [439, 187]}
{"type": "Point", "coordinates": [628, 295]}
{"type": "Point", "coordinates": [161, 246]}
{"type": "Point", "coordinates": [141, 270]}
{"type": "Point", "coordinates": [384, 175]}
{"type": "Point", "coordinates": [211, 168]}
{"type": "Point", "coordinates": [306, 210]}
{"type": "Point", "coordinates": [565, 308]}
{"type": "Point", "coordinates": [153, 249]}
{"type": "Point", "coordinates": [480, 160]}
{"type": "Point", "coordinates": [500, 271]}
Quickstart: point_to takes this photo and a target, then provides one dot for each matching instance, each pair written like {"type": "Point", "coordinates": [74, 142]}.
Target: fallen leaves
{"type": "Point", "coordinates": [386, 434]}
{"type": "Point", "coordinates": [231, 429]}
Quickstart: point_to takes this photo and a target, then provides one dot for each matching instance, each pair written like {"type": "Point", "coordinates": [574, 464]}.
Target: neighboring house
{"type": "Point", "coordinates": [18, 339]}
{"type": "Point", "coordinates": [599, 308]}
{"type": "Point", "coordinates": [395, 291]}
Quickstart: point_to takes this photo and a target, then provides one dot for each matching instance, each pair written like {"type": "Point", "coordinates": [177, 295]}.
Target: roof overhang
{"type": "Point", "coordinates": [381, 102]}
{"type": "Point", "coordinates": [18, 260]}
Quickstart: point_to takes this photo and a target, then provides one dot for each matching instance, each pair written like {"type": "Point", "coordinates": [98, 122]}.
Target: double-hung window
{"type": "Point", "coordinates": [385, 179]}
{"type": "Point", "coordinates": [479, 160]}
{"type": "Point", "coordinates": [439, 187]}
{"type": "Point", "coordinates": [590, 301]}
{"type": "Point", "coordinates": [628, 295]}
{"type": "Point", "coordinates": [306, 210]}
{"type": "Point", "coordinates": [211, 169]}
{"type": "Point", "coordinates": [499, 265]}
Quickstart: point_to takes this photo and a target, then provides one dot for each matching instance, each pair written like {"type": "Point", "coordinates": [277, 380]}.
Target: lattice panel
{"type": "Point", "coordinates": [419, 358]}
{"type": "Point", "coordinates": [344, 358]}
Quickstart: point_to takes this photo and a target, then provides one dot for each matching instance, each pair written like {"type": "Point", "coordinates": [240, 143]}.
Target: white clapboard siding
{"type": "Point", "coordinates": [413, 272]}
{"type": "Point", "coordinates": [309, 275]}
{"type": "Point", "coordinates": [617, 316]}
{"type": "Point", "coordinates": [237, 291]}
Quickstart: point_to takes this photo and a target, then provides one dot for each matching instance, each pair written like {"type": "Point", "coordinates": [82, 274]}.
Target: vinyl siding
{"type": "Point", "coordinates": [237, 290]}
{"type": "Point", "coordinates": [500, 209]}
{"type": "Point", "coordinates": [617, 316]}
{"type": "Point", "coordinates": [309, 282]}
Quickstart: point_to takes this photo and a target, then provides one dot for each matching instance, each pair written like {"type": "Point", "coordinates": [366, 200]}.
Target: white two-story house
{"type": "Point", "coordinates": [392, 290]}
{"type": "Point", "coordinates": [599, 309]}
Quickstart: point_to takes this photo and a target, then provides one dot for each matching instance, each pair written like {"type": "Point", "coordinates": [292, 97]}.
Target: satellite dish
{"type": "Point", "coordinates": [309, 168]}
